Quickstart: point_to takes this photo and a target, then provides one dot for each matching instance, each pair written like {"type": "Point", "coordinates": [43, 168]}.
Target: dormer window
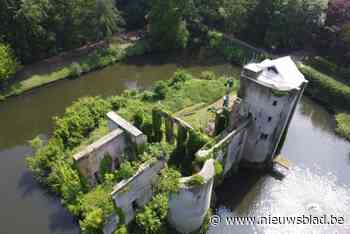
{"type": "Point", "coordinates": [272, 69]}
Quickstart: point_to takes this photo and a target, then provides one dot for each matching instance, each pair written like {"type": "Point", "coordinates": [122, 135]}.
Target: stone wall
{"type": "Point", "coordinates": [123, 137]}
{"type": "Point", "coordinates": [188, 207]}
{"type": "Point", "coordinates": [88, 160]}
{"type": "Point", "coordinates": [132, 194]}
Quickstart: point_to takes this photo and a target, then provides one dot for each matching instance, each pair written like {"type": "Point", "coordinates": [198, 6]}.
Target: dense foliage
{"type": "Point", "coordinates": [168, 28]}
{"type": "Point", "coordinates": [335, 37]}
{"type": "Point", "coordinates": [38, 29]}
{"type": "Point", "coordinates": [8, 63]}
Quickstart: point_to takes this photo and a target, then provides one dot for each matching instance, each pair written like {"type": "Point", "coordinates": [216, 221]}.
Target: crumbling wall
{"type": "Point", "coordinates": [132, 194]}
{"type": "Point", "coordinates": [189, 206]}
{"type": "Point", "coordinates": [88, 160]}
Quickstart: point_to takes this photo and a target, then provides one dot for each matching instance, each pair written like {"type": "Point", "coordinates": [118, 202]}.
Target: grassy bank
{"type": "Point", "coordinates": [326, 89]}
{"type": "Point", "coordinates": [343, 125]}
{"type": "Point", "coordinates": [96, 60]}
{"type": "Point", "coordinates": [334, 94]}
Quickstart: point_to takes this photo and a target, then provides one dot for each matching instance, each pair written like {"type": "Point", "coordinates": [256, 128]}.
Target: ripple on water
{"type": "Point", "coordinates": [302, 192]}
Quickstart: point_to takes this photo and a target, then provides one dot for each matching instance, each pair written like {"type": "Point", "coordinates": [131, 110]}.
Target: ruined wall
{"type": "Point", "coordinates": [132, 194]}
{"type": "Point", "coordinates": [188, 207]}
{"type": "Point", "coordinates": [88, 160]}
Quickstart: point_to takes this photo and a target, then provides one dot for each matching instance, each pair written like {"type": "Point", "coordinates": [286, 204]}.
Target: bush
{"type": "Point", "coordinates": [125, 171]}
{"type": "Point", "coordinates": [326, 89]}
{"type": "Point", "coordinates": [8, 63]}
{"type": "Point", "coordinates": [80, 120]}
{"type": "Point", "coordinates": [169, 181]}
{"type": "Point", "coordinates": [121, 230]}
{"type": "Point", "coordinates": [160, 90]}
{"type": "Point", "coordinates": [195, 180]}
{"type": "Point", "coordinates": [76, 69]}
{"type": "Point", "coordinates": [95, 207]}
{"type": "Point", "coordinates": [152, 218]}
{"type": "Point", "coordinates": [343, 125]}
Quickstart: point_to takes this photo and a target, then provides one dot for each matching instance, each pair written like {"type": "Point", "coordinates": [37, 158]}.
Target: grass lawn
{"type": "Point", "coordinates": [98, 59]}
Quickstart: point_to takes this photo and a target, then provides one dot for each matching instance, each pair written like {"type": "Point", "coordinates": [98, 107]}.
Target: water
{"type": "Point", "coordinates": [311, 145]}
{"type": "Point", "coordinates": [26, 207]}
{"type": "Point", "coordinates": [317, 184]}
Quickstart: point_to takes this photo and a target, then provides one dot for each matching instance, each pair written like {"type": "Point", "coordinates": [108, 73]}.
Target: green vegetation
{"type": "Point", "coordinates": [326, 89]}
{"type": "Point", "coordinates": [8, 63]}
{"type": "Point", "coordinates": [151, 220]}
{"type": "Point", "coordinates": [195, 181]}
{"type": "Point", "coordinates": [84, 122]}
{"type": "Point", "coordinates": [343, 125]}
{"type": "Point", "coordinates": [99, 59]}
{"type": "Point", "coordinates": [38, 29]}
{"type": "Point", "coordinates": [232, 50]}
{"type": "Point", "coordinates": [330, 68]}
{"type": "Point", "coordinates": [168, 29]}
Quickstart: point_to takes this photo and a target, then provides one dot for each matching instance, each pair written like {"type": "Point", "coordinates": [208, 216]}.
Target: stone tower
{"type": "Point", "coordinates": [269, 93]}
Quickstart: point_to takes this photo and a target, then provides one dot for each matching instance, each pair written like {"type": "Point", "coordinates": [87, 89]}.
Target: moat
{"type": "Point", "coordinates": [311, 145]}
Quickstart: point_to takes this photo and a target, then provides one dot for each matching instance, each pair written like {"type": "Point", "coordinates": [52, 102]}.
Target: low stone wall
{"type": "Point", "coordinates": [188, 207]}
{"type": "Point", "coordinates": [132, 194]}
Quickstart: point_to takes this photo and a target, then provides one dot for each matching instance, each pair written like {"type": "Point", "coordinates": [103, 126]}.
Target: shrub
{"type": "Point", "coordinates": [121, 230]}
{"type": "Point", "coordinates": [325, 89]}
{"type": "Point", "coordinates": [8, 63]}
{"type": "Point", "coordinates": [95, 207]}
{"type": "Point", "coordinates": [195, 180]}
{"type": "Point", "coordinates": [157, 124]}
{"type": "Point", "coordinates": [125, 171]}
{"type": "Point", "coordinates": [168, 181]}
{"type": "Point", "coordinates": [80, 120]}
{"type": "Point", "coordinates": [160, 90]}
{"type": "Point", "coordinates": [343, 125]}
{"type": "Point", "coordinates": [152, 218]}
{"type": "Point", "coordinates": [76, 69]}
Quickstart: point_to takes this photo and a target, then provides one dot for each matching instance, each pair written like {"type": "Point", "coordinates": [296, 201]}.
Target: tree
{"type": "Point", "coordinates": [294, 22]}
{"type": "Point", "coordinates": [8, 63]}
{"type": "Point", "coordinates": [168, 28]}
{"type": "Point", "coordinates": [108, 18]}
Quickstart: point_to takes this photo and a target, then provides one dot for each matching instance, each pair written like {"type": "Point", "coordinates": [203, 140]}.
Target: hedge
{"type": "Point", "coordinates": [325, 89]}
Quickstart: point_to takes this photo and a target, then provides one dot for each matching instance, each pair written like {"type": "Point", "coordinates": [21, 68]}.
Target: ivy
{"type": "Point", "coordinates": [157, 124]}
{"type": "Point", "coordinates": [195, 180]}
{"type": "Point", "coordinates": [169, 181]}
{"type": "Point", "coordinates": [105, 166]}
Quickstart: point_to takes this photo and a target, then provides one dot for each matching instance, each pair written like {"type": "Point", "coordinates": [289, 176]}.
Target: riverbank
{"type": "Point", "coordinates": [331, 91]}
{"type": "Point", "coordinates": [99, 58]}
